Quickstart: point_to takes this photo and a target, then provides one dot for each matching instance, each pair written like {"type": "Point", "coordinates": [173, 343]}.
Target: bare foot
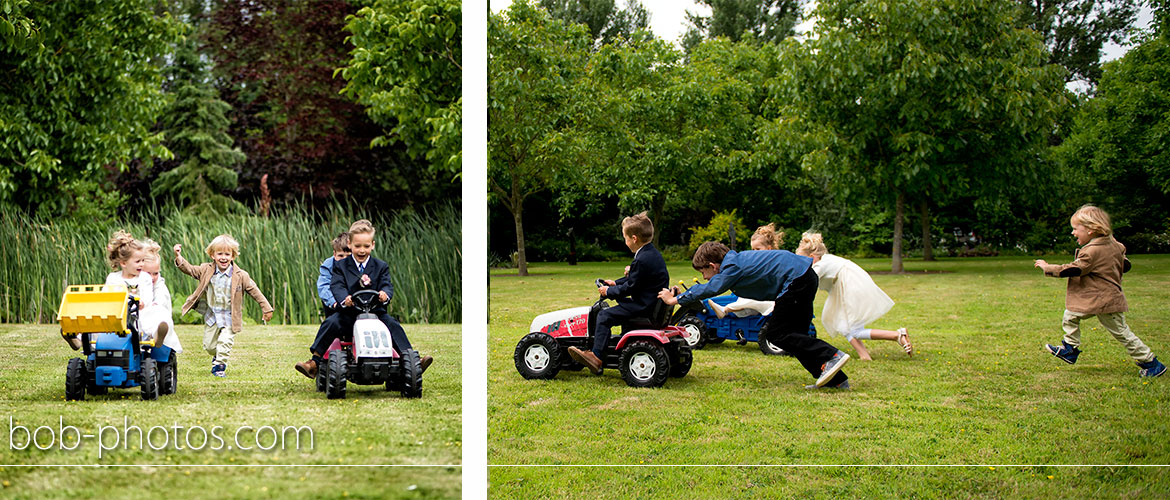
{"type": "Point", "coordinates": [720, 311]}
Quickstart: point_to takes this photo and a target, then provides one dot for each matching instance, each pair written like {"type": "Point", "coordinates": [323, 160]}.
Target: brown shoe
{"type": "Point", "coordinates": [308, 368]}
{"type": "Point", "coordinates": [161, 334]}
{"type": "Point", "coordinates": [73, 340]}
{"type": "Point", "coordinates": [423, 363]}
{"type": "Point", "coordinates": [586, 358]}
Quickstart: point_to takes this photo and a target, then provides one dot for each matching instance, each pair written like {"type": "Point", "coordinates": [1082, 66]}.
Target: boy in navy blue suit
{"type": "Point", "coordinates": [636, 293]}
{"type": "Point", "coordinates": [361, 271]}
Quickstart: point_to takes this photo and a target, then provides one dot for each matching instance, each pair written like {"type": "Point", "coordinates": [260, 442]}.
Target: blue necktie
{"type": "Point", "coordinates": [361, 269]}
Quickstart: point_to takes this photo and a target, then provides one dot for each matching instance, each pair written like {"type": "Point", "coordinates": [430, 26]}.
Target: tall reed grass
{"type": "Point", "coordinates": [282, 253]}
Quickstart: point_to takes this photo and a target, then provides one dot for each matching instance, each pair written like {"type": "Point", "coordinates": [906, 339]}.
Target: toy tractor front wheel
{"type": "Point", "coordinates": [694, 331]}
{"type": "Point", "coordinates": [149, 379]}
{"type": "Point", "coordinates": [644, 364]}
{"type": "Point", "coordinates": [410, 378]}
{"type": "Point", "coordinates": [537, 356]}
{"type": "Point", "coordinates": [322, 370]}
{"type": "Point", "coordinates": [336, 367]}
{"type": "Point", "coordinates": [682, 366]}
{"type": "Point", "coordinates": [75, 380]}
{"type": "Point", "coordinates": [767, 347]}
{"type": "Point", "coordinates": [168, 376]}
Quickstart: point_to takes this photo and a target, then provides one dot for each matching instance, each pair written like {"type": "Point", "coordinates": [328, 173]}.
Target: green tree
{"type": "Point", "coordinates": [196, 126]}
{"type": "Point", "coordinates": [1118, 153]}
{"type": "Point", "coordinates": [1076, 30]}
{"type": "Point", "coordinates": [406, 70]}
{"type": "Point", "coordinates": [917, 101]}
{"type": "Point", "coordinates": [762, 20]}
{"type": "Point", "coordinates": [605, 21]}
{"type": "Point", "coordinates": [80, 97]}
{"type": "Point", "coordinates": [534, 65]}
{"type": "Point", "coordinates": [665, 131]}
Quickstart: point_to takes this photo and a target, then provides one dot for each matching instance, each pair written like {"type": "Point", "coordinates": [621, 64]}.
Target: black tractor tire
{"type": "Point", "coordinates": [697, 334]}
{"type": "Point", "coordinates": [410, 376]}
{"type": "Point", "coordinates": [767, 347]}
{"type": "Point", "coordinates": [336, 367]}
{"type": "Point", "coordinates": [682, 366]}
{"type": "Point", "coordinates": [322, 369]}
{"type": "Point", "coordinates": [148, 378]}
{"type": "Point", "coordinates": [537, 356]}
{"type": "Point", "coordinates": [644, 364]}
{"type": "Point", "coordinates": [91, 386]}
{"type": "Point", "coordinates": [168, 376]}
{"type": "Point", "coordinates": [75, 380]}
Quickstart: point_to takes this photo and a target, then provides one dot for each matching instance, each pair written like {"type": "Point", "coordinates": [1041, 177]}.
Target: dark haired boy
{"type": "Point", "coordinates": [636, 293]}
{"type": "Point", "coordinates": [777, 275]}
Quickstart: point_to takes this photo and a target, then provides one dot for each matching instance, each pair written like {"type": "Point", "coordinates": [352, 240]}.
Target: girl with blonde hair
{"type": "Point", "coordinates": [854, 299]}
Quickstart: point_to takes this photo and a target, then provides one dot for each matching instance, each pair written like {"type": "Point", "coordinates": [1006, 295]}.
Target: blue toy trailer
{"type": "Point", "coordinates": [114, 355]}
{"type": "Point", "coordinates": [704, 327]}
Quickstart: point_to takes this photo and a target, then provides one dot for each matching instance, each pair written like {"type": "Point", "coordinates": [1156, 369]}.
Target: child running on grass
{"type": "Point", "coordinates": [854, 299]}
{"type": "Point", "coordinates": [220, 298]}
{"type": "Point", "coordinates": [160, 306]}
{"type": "Point", "coordinates": [1094, 289]}
{"type": "Point", "coordinates": [789, 280]}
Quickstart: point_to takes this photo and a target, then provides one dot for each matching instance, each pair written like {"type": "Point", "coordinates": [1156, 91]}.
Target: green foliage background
{"type": "Point", "coordinates": [282, 253]}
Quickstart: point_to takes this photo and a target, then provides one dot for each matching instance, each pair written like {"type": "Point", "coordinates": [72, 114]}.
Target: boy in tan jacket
{"type": "Point", "coordinates": [1094, 289]}
{"type": "Point", "coordinates": [220, 298]}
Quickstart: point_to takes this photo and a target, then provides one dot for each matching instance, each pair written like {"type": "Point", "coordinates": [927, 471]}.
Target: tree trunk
{"type": "Point", "coordinates": [927, 245]}
{"type": "Point", "coordinates": [899, 219]}
{"type": "Point", "coordinates": [521, 257]}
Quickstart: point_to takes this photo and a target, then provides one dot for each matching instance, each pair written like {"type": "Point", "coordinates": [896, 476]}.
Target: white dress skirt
{"type": "Point", "coordinates": [854, 299]}
{"type": "Point", "coordinates": [154, 308]}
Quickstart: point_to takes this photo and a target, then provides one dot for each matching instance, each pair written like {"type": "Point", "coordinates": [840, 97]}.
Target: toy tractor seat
{"type": "Point", "coordinates": [658, 319]}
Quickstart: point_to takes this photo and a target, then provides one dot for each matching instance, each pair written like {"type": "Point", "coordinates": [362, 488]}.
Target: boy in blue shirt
{"type": "Point", "coordinates": [777, 275]}
{"type": "Point", "coordinates": [636, 293]}
{"type": "Point", "coordinates": [328, 304]}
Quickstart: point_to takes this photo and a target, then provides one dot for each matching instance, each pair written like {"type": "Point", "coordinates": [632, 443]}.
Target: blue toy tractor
{"type": "Point", "coordinates": [106, 318]}
{"type": "Point", "coordinates": [704, 327]}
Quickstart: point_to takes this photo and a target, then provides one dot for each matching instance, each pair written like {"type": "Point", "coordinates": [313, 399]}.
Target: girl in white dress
{"type": "Point", "coordinates": [126, 253]}
{"type": "Point", "coordinates": [854, 299]}
{"type": "Point", "coordinates": [160, 307]}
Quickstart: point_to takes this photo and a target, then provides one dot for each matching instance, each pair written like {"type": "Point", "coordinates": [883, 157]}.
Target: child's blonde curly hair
{"type": "Point", "coordinates": [1094, 219]}
{"type": "Point", "coordinates": [221, 243]}
{"type": "Point", "coordinates": [812, 244]}
{"type": "Point", "coordinates": [769, 236]}
{"type": "Point", "coordinates": [121, 247]}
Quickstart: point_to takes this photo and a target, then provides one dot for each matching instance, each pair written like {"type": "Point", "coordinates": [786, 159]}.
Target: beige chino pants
{"type": "Point", "coordinates": [217, 341]}
{"type": "Point", "coordinates": [1114, 323]}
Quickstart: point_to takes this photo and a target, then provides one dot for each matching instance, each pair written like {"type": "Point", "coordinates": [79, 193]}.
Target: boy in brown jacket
{"type": "Point", "coordinates": [220, 298]}
{"type": "Point", "coordinates": [1094, 289]}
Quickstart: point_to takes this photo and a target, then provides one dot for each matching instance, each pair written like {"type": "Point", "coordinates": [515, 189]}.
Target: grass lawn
{"type": "Point", "coordinates": [979, 390]}
{"type": "Point", "coordinates": [370, 427]}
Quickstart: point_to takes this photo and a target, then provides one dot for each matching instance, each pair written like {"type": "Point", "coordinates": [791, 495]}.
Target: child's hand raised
{"type": "Point", "coordinates": [178, 249]}
{"type": "Point", "coordinates": [1039, 263]}
{"type": "Point", "coordinates": [383, 297]}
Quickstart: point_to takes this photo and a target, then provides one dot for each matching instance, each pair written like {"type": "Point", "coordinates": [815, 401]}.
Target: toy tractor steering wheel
{"type": "Point", "coordinates": [599, 282]}
{"type": "Point", "coordinates": [365, 300]}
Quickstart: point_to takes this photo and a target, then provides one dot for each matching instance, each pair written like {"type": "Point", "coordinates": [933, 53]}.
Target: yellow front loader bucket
{"type": "Point", "coordinates": [93, 309]}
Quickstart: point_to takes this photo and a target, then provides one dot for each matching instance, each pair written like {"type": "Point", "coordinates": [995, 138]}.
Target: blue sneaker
{"type": "Point", "coordinates": [1154, 368]}
{"type": "Point", "coordinates": [218, 370]}
{"type": "Point", "coordinates": [1064, 352]}
{"type": "Point", "coordinates": [831, 367]}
